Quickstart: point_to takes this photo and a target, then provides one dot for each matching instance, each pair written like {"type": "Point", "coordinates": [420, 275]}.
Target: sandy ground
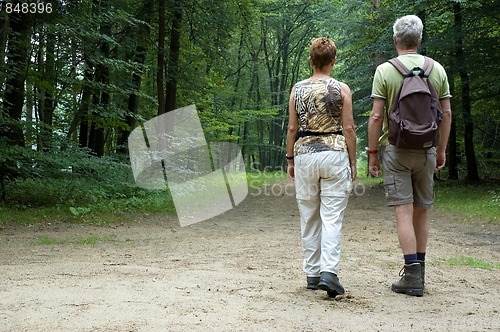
{"type": "Point", "coordinates": [241, 271]}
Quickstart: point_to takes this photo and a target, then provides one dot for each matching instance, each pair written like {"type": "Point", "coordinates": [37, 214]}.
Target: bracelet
{"type": "Point", "coordinates": [371, 151]}
{"type": "Point", "coordinates": [289, 158]}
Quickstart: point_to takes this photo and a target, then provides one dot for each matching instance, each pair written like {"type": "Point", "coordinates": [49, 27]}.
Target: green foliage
{"type": "Point", "coordinates": [473, 200]}
{"type": "Point", "coordinates": [62, 175]}
{"type": "Point", "coordinates": [473, 262]}
{"type": "Point", "coordinates": [78, 211]}
{"type": "Point", "coordinates": [238, 62]}
{"type": "Point", "coordinates": [73, 180]}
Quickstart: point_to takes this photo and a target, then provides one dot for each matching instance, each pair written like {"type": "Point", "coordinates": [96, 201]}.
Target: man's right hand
{"type": "Point", "coordinates": [374, 165]}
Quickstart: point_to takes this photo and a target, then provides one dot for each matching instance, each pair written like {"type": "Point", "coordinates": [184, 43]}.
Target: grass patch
{"type": "Point", "coordinates": [90, 240]}
{"type": "Point", "coordinates": [473, 262]}
{"type": "Point", "coordinates": [47, 240]}
{"type": "Point", "coordinates": [87, 240]}
{"type": "Point", "coordinates": [257, 179]}
{"type": "Point", "coordinates": [474, 200]}
{"type": "Point", "coordinates": [28, 216]}
{"type": "Point", "coordinates": [100, 213]}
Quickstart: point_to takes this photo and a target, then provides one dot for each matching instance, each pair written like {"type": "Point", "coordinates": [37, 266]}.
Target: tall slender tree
{"type": "Point", "coordinates": [160, 56]}
{"type": "Point", "coordinates": [173, 58]}
{"type": "Point", "coordinates": [19, 47]}
{"type": "Point", "coordinates": [470, 154]}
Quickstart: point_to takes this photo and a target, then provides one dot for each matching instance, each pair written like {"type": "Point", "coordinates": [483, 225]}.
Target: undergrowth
{"type": "Point", "coordinates": [470, 199]}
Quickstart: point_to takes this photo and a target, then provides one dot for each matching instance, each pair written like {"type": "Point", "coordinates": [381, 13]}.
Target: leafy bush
{"type": "Point", "coordinates": [63, 175]}
{"type": "Point", "coordinates": [66, 183]}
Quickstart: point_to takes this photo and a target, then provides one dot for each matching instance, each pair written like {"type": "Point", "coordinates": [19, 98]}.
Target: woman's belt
{"type": "Point", "coordinates": [315, 133]}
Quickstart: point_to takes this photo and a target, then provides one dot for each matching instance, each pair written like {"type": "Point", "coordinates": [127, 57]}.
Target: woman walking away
{"type": "Point", "coordinates": [321, 155]}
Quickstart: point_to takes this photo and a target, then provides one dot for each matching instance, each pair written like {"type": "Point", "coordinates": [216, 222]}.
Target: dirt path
{"type": "Point", "coordinates": [241, 271]}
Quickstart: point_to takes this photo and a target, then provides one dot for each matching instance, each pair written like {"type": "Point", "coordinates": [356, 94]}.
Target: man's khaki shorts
{"type": "Point", "coordinates": [409, 176]}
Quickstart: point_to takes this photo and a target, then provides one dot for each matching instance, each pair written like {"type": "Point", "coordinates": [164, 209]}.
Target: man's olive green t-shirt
{"type": "Point", "coordinates": [388, 80]}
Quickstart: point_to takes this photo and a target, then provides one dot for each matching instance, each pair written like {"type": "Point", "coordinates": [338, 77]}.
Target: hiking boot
{"type": "Point", "coordinates": [411, 280]}
{"type": "Point", "coordinates": [312, 283]}
{"type": "Point", "coordinates": [422, 272]}
{"type": "Point", "coordinates": [330, 283]}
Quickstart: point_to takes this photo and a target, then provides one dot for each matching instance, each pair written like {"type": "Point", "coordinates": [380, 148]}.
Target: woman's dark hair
{"type": "Point", "coordinates": [322, 52]}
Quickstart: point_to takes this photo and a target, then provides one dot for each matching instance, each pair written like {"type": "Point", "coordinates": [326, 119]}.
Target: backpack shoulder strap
{"type": "Point", "coordinates": [428, 65]}
{"type": "Point", "coordinates": [399, 66]}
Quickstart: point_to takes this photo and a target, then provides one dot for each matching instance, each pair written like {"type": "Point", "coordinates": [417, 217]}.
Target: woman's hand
{"type": "Point", "coordinates": [291, 170]}
{"type": "Point", "coordinates": [354, 172]}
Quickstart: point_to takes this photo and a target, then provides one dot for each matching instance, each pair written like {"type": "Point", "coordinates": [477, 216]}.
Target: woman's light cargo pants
{"type": "Point", "coordinates": [322, 184]}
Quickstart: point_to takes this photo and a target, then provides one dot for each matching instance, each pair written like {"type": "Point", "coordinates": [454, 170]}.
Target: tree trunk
{"type": "Point", "coordinates": [30, 92]}
{"type": "Point", "coordinates": [101, 98]}
{"type": "Point", "coordinates": [83, 111]}
{"type": "Point", "coordinates": [173, 59]}
{"type": "Point", "coordinates": [74, 110]}
{"type": "Point", "coordinates": [275, 80]}
{"type": "Point", "coordinates": [142, 35]}
{"type": "Point", "coordinates": [133, 102]}
{"type": "Point", "coordinates": [256, 101]}
{"type": "Point", "coordinates": [452, 159]}
{"type": "Point", "coordinates": [245, 139]}
{"type": "Point", "coordinates": [262, 147]}
{"type": "Point", "coordinates": [4, 23]}
{"type": "Point", "coordinates": [47, 104]}
{"type": "Point", "coordinates": [236, 87]}
{"type": "Point", "coordinates": [472, 169]}
{"type": "Point", "coordinates": [280, 123]}
{"type": "Point", "coordinates": [160, 64]}
{"type": "Point", "coordinates": [17, 64]}
{"type": "Point", "coordinates": [96, 133]}
{"type": "Point", "coordinates": [100, 102]}
{"type": "Point", "coordinates": [470, 154]}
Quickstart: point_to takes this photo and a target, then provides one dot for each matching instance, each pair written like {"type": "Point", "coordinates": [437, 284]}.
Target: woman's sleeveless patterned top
{"type": "Point", "coordinates": [318, 103]}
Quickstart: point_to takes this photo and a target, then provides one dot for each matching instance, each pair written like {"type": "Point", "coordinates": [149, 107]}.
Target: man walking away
{"type": "Point", "coordinates": [408, 173]}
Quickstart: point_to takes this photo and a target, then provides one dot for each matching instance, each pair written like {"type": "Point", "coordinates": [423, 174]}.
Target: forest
{"type": "Point", "coordinates": [77, 76]}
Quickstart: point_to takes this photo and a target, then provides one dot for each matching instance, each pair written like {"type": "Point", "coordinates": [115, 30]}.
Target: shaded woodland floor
{"type": "Point", "coordinates": [241, 271]}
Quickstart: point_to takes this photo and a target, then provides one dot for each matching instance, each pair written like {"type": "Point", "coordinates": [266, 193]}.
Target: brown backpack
{"type": "Point", "coordinates": [415, 117]}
